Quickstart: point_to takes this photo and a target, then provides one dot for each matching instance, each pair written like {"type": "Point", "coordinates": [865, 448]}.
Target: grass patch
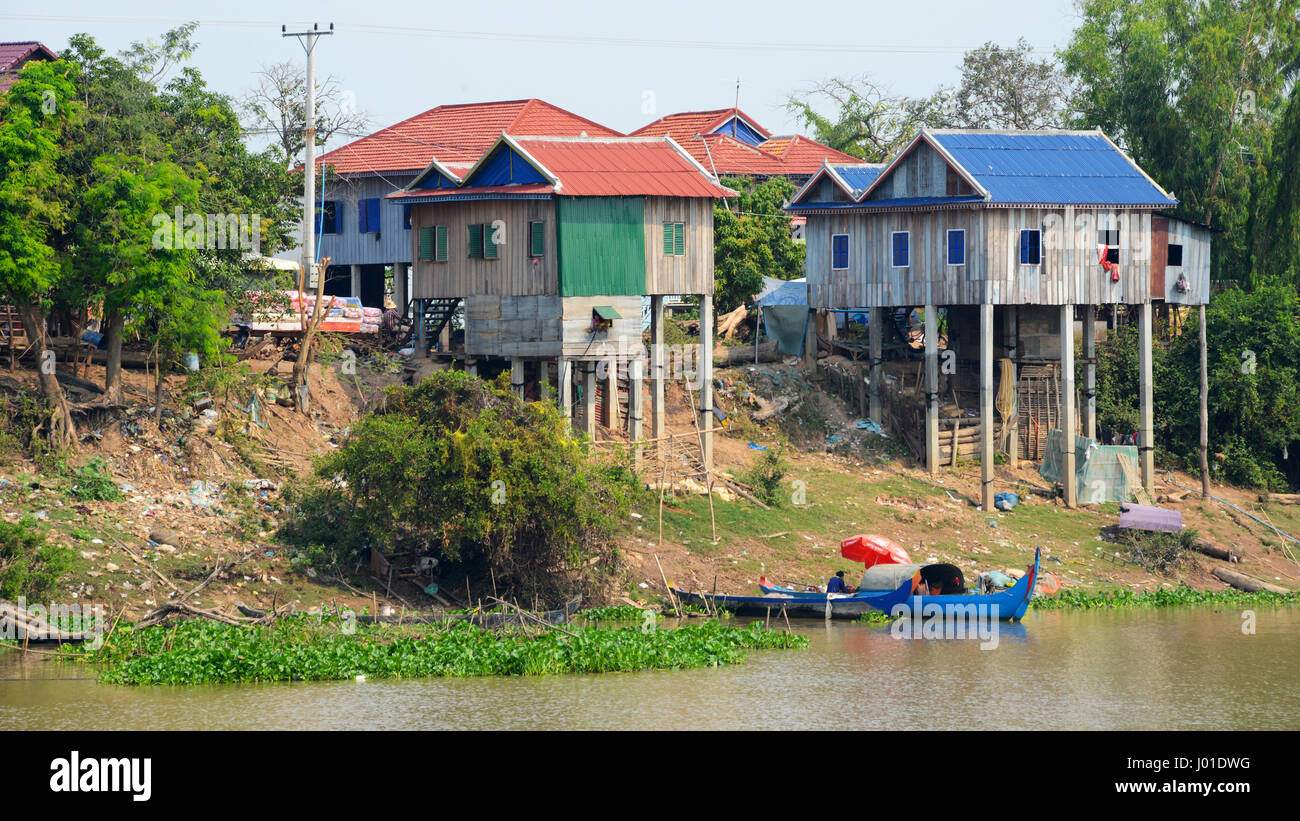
{"type": "Point", "coordinates": [1165, 597]}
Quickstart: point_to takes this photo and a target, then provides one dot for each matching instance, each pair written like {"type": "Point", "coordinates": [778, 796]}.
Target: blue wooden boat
{"type": "Point", "coordinates": [1011, 604]}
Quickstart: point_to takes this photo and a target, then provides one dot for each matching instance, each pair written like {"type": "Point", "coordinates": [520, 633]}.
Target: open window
{"type": "Point", "coordinates": [1110, 238]}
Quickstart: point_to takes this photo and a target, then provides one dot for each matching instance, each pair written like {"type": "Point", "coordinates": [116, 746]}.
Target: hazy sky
{"type": "Point", "coordinates": [606, 61]}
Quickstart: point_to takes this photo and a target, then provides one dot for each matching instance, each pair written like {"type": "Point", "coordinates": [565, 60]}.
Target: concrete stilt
{"type": "Point", "coordinates": [589, 398]}
{"type": "Point", "coordinates": [706, 377]}
{"type": "Point", "coordinates": [612, 416]}
{"type": "Point", "coordinates": [932, 388]}
{"type": "Point", "coordinates": [1090, 371]}
{"type": "Point", "coordinates": [875, 335]}
{"type": "Point", "coordinates": [658, 365]}
{"type": "Point", "coordinates": [1010, 341]}
{"type": "Point", "coordinates": [1068, 423]}
{"type": "Point", "coordinates": [564, 385]}
{"type": "Point", "coordinates": [517, 376]}
{"type": "Point", "coordinates": [635, 367]}
{"type": "Point", "coordinates": [986, 406]}
{"type": "Point", "coordinates": [1146, 421]}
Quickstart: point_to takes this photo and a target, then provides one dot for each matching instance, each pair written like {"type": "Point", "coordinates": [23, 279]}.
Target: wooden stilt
{"type": "Point", "coordinates": [1090, 371]}
{"type": "Point", "coordinates": [706, 377]}
{"type": "Point", "coordinates": [875, 335]}
{"type": "Point", "coordinates": [986, 406]}
{"type": "Point", "coordinates": [1146, 432]}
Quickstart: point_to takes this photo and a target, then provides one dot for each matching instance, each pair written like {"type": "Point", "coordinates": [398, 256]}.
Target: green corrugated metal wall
{"type": "Point", "coordinates": [601, 245]}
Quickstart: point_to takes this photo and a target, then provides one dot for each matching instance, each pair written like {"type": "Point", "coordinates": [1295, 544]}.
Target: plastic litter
{"type": "Point", "coordinates": [1005, 501]}
{"type": "Point", "coordinates": [754, 446]}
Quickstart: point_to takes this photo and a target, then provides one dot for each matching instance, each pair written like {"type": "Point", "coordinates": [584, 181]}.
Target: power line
{"type": "Point", "coordinates": [520, 37]}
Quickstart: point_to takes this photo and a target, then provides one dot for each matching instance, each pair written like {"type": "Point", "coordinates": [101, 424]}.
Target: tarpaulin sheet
{"type": "Point", "coordinates": [786, 324]}
{"type": "Point", "coordinates": [1098, 476]}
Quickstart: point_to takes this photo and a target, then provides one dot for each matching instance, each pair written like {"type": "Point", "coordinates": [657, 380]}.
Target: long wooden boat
{"type": "Point", "coordinates": [1011, 604]}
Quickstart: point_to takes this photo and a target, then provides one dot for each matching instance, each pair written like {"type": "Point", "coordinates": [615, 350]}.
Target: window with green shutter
{"type": "Point", "coordinates": [476, 241]}
{"type": "Point", "coordinates": [489, 246]}
{"type": "Point", "coordinates": [426, 244]}
{"type": "Point", "coordinates": [675, 238]}
{"type": "Point", "coordinates": [440, 250]}
{"type": "Point", "coordinates": [536, 238]}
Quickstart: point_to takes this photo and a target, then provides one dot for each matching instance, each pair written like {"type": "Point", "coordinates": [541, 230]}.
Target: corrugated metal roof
{"type": "Point", "coordinates": [455, 135]}
{"type": "Point", "coordinates": [621, 167]}
{"type": "Point", "coordinates": [729, 157]}
{"type": "Point", "coordinates": [1081, 168]}
{"type": "Point", "coordinates": [800, 155]}
{"type": "Point", "coordinates": [858, 175]}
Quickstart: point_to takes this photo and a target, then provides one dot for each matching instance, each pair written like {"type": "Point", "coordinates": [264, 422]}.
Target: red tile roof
{"type": "Point", "coordinates": [456, 135]}
{"type": "Point", "coordinates": [14, 55]}
{"type": "Point", "coordinates": [687, 124]}
{"type": "Point", "coordinates": [800, 155]}
{"type": "Point", "coordinates": [621, 167]}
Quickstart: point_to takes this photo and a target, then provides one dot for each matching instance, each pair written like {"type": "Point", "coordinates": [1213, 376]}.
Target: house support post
{"type": "Point", "coordinates": [517, 376]}
{"type": "Point", "coordinates": [544, 380]}
{"type": "Point", "coordinates": [1069, 480]}
{"type": "Point", "coordinates": [564, 384]}
{"type": "Point", "coordinates": [657, 367]}
{"type": "Point", "coordinates": [589, 398]}
{"type": "Point", "coordinates": [810, 341]}
{"type": "Point", "coordinates": [1146, 434]}
{"type": "Point", "coordinates": [356, 281]}
{"type": "Point", "coordinates": [875, 335]}
{"type": "Point", "coordinates": [932, 388]}
{"type": "Point", "coordinates": [635, 367]}
{"type": "Point", "coordinates": [705, 371]}
{"type": "Point", "coordinates": [1010, 340]}
{"type": "Point", "coordinates": [986, 406]}
{"type": "Point", "coordinates": [399, 285]}
{"type": "Point", "coordinates": [1090, 371]}
{"type": "Point", "coordinates": [611, 394]}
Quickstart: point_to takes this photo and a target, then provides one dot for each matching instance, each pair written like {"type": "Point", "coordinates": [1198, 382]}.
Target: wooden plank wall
{"type": "Point", "coordinates": [350, 246]}
{"type": "Point", "coordinates": [1069, 272]}
{"type": "Point", "coordinates": [689, 274]}
{"type": "Point", "coordinates": [1196, 264]}
{"type": "Point", "coordinates": [922, 173]}
{"type": "Point", "coordinates": [513, 273]}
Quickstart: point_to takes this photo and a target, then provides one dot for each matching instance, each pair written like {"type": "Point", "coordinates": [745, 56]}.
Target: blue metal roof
{"type": "Point", "coordinates": [1051, 168]}
{"type": "Point", "coordinates": [858, 176]}
{"type": "Point", "coordinates": [901, 202]}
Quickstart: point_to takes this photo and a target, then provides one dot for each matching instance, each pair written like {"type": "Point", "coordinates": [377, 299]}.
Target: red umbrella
{"type": "Point", "coordinates": [873, 550]}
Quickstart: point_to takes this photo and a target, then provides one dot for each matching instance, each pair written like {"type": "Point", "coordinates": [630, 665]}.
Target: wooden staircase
{"type": "Point", "coordinates": [432, 315]}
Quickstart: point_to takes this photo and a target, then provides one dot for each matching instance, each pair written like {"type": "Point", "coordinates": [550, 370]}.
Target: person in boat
{"type": "Point", "coordinates": [942, 580]}
{"type": "Point", "coordinates": [837, 584]}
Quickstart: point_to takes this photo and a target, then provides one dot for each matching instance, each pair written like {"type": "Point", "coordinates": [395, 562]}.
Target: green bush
{"type": "Point", "coordinates": [1157, 551]}
{"type": "Point", "coordinates": [92, 482]}
{"type": "Point", "coordinates": [465, 470]}
{"type": "Point", "coordinates": [29, 566]}
{"type": "Point", "coordinates": [766, 475]}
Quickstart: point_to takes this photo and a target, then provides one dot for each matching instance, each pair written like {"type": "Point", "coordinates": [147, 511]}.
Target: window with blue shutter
{"type": "Point", "coordinates": [327, 221]}
{"type": "Point", "coordinates": [1031, 250]}
{"type": "Point", "coordinates": [901, 249]}
{"type": "Point", "coordinates": [368, 215]}
{"type": "Point", "coordinates": [406, 217]}
{"type": "Point", "coordinates": [839, 251]}
{"type": "Point", "coordinates": [957, 247]}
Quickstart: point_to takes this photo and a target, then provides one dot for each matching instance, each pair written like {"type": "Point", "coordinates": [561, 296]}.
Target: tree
{"type": "Point", "coordinates": [277, 106]}
{"type": "Point", "coordinates": [1006, 88]}
{"type": "Point", "coordinates": [34, 114]}
{"type": "Point", "coordinates": [128, 245]}
{"type": "Point", "coordinates": [752, 239]}
{"type": "Point", "coordinates": [1191, 89]}
{"type": "Point", "coordinates": [868, 122]}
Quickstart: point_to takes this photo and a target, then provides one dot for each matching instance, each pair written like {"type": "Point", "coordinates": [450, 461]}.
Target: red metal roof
{"type": "Point", "coordinates": [531, 188]}
{"type": "Point", "coordinates": [800, 155]}
{"type": "Point", "coordinates": [456, 135]}
{"type": "Point", "coordinates": [729, 157]}
{"type": "Point", "coordinates": [13, 55]}
{"type": "Point", "coordinates": [686, 124]}
{"type": "Point", "coordinates": [620, 167]}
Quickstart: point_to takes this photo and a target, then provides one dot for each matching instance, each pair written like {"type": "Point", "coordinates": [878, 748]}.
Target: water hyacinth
{"type": "Point", "coordinates": [302, 650]}
{"type": "Point", "coordinates": [1164, 597]}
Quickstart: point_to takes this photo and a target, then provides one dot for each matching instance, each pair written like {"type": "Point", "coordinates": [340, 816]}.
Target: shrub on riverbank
{"type": "Point", "coordinates": [30, 567]}
{"type": "Point", "coordinates": [463, 470]}
{"type": "Point", "coordinates": [203, 652]}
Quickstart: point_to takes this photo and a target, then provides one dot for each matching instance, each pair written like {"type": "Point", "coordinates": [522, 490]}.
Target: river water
{"type": "Point", "coordinates": [1157, 669]}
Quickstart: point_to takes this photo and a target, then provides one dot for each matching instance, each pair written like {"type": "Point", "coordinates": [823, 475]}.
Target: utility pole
{"type": "Point", "coordinates": [309, 136]}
